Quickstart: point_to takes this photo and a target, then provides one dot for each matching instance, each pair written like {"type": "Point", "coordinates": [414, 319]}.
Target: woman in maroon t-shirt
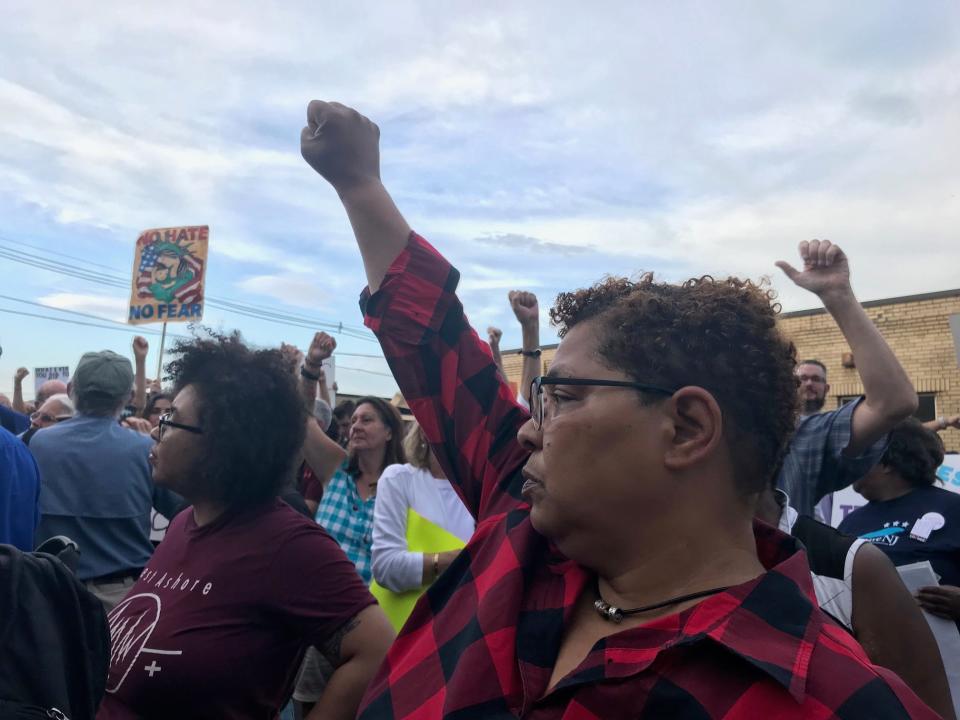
{"type": "Point", "coordinates": [241, 585]}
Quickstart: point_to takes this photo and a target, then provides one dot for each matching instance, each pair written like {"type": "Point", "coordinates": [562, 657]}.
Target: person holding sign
{"type": "Point", "coordinates": [419, 527]}
{"type": "Point", "coordinates": [45, 391]}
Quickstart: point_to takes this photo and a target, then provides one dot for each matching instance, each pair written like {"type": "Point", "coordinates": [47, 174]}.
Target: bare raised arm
{"type": "Point", "coordinates": [344, 147]}
{"type": "Point", "coordinates": [444, 370]}
{"type": "Point", "coordinates": [18, 403]}
{"type": "Point", "coordinates": [527, 311]}
{"type": "Point", "coordinates": [321, 453]}
{"type": "Point", "coordinates": [889, 396]}
{"type": "Point", "coordinates": [140, 349]}
{"type": "Point", "coordinates": [493, 340]}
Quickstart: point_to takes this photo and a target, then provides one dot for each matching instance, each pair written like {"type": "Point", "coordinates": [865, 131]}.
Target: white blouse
{"type": "Point", "coordinates": [402, 487]}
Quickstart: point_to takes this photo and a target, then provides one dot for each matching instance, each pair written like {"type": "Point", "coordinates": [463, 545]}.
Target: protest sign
{"type": "Point", "coordinates": [330, 374]}
{"type": "Point", "coordinates": [43, 374]}
{"type": "Point", "coordinates": [169, 267]}
{"type": "Point", "coordinates": [921, 574]}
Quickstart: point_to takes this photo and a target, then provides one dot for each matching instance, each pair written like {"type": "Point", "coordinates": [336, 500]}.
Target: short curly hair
{"type": "Point", "coordinates": [253, 417]}
{"type": "Point", "coordinates": [720, 335]}
{"type": "Point", "coordinates": [914, 453]}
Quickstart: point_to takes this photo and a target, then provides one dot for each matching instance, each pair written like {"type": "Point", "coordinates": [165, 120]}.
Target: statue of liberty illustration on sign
{"type": "Point", "coordinates": [168, 275]}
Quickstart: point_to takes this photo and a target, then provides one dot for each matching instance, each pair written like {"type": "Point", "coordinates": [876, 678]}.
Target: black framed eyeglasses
{"type": "Point", "coordinates": [536, 391]}
{"type": "Point", "coordinates": [49, 418]}
{"type": "Point", "coordinates": [166, 422]}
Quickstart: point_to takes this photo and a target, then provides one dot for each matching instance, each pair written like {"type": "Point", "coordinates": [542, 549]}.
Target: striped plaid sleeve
{"type": "Point", "coordinates": [448, 377]}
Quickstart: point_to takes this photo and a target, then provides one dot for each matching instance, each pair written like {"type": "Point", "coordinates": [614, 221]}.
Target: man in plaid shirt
{"type": "Point", "coordinates": [615, 571]}
{"type": "Point", "coordinates": [831, 450]}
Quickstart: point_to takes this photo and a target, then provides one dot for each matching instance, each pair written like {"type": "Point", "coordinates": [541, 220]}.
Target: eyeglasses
{"type": "Point", "coordinates": [537, 403]}
{"type": "Point", "coordinates": [166, 422]}
{"type": "Point", "coordinates": [49, 418]}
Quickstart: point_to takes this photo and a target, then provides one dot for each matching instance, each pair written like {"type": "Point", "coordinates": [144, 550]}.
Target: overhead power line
{"type": "Point", "coordinates": [122, 327]}
{"type": "Point", "coordinates": [134, 330]}
{"type": "Point", "coordinates": [117, 281]}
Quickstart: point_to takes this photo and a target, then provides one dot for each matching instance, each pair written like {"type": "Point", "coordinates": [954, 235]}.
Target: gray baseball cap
{"type": "Point", "coordinates": [103, 372]}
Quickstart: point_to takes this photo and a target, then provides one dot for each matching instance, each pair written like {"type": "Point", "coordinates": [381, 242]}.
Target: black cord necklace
{"type": "Point", "coordinates": [613, 614]}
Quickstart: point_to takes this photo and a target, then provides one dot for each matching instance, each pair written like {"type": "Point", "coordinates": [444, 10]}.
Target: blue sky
{"type": "Point", "coordinates": [539, 145]}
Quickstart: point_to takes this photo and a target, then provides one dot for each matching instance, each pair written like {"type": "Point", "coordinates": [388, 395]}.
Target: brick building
{"type": "Point", "coordinates": [917, 328]}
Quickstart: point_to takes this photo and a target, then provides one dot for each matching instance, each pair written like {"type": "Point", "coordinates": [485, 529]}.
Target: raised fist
{"type": "Point", "coordinates": [525, 307]}
{"type": "Point", "coordinates": [21, 374]}
{"type": "Point", "coordinates": [321, 347]}
{"type": "Point", "coordinates": [140, 348]}
{"type": "Point", "coordinates": [340, 144]}
{"type": "Point", "coordinates": [825, 268]}
{"type": "Point", "coordinates": [494, 335]}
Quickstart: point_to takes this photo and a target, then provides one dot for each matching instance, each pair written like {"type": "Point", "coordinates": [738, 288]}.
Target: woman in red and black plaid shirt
{"type": "Point", "coordinates": [616, 571]}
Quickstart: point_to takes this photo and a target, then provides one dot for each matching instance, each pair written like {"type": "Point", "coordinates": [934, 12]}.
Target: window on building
{"type": "Point", "coordinates": [926, 410]}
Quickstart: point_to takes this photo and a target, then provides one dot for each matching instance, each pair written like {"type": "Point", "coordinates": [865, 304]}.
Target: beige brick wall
{"type": "Point", "coordinates": [919, 333]}
{"type": "Point", "coordinates": [917, 330]}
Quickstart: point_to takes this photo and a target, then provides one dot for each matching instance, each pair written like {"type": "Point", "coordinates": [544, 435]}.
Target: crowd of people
{"type": "Point", "coordinates": [640, 531]}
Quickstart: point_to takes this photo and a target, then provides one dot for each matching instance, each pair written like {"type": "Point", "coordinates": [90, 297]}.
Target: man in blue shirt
{"type": "Point", "coordinates": [12, 421]}
{"type": "Point", "coordinates": [96, 480]}
{"type": "Point", "coordinates": [830, 450]}
{"type": "Point", "coordinates": [19, 493]}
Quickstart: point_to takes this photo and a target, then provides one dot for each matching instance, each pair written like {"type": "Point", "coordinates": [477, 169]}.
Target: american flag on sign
{"type": "Point", "coordinates": [167, 267]}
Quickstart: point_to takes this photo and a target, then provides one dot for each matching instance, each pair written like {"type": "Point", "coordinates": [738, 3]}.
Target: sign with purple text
{"type": "Point", "coordinates": [169, 266]}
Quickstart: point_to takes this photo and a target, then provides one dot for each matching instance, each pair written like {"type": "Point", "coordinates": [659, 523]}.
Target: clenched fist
{"type": "Point", "coordinates": [525, 306]}
{"type": "Point", "coordinates": [21, 374]}
{"type": "Point", "coordinates": [341, 144]}
{"type": "Point", "coordinates": [825, 268]}
{"type": "Point", "coordinates": [140, 348]}
{"type": "Point", "coordinates": [320, 349]}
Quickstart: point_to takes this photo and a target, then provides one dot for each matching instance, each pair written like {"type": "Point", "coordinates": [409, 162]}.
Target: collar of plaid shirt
{"type": "Point", "coordinates": [769, 622]}
{"type": "Point", "coordinates": [486, 642]}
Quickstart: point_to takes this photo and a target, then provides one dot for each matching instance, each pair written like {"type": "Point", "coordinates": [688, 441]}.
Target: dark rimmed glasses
{"type": "Point", "coordinates": [48, 418]}
{"type": "Point", "coordinates": [166, 422]}
{"type": "Point", "coordinates": [536, 391]}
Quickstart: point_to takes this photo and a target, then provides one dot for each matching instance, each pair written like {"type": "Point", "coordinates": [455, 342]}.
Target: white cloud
{"type": "Point", "coordinates": [670, 135]}
{"type": "Point", "coordinates": [299, 290]}
{"type": "Point", "coordinates": [104, 306]}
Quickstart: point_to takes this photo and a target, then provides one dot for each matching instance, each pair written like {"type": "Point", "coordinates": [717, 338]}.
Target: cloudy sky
{"type": "Point", "coordinates": [539, 145]}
